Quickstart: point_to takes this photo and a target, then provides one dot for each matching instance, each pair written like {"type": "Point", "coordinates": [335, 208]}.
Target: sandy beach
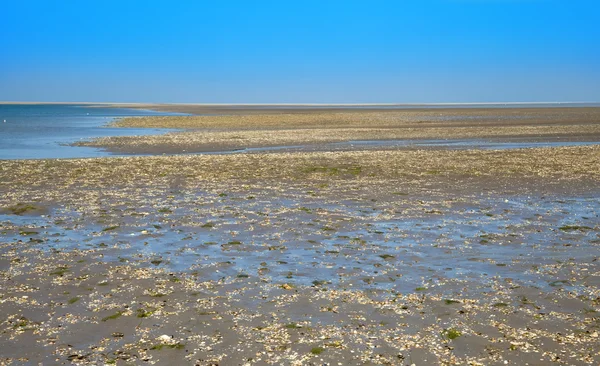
{"type": "Point", "coordinates": [310, 255]}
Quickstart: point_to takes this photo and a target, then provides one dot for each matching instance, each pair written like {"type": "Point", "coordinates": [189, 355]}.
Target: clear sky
{"type": "Point", "coordinates": [305, 51]}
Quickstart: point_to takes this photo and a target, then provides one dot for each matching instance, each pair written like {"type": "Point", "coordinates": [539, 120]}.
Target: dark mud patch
{"type": "Point", "coordinates": [25, 209]}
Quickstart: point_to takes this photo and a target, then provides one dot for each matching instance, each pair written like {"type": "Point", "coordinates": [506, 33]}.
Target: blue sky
{"type": "Point", "coordinates": [300, 51]}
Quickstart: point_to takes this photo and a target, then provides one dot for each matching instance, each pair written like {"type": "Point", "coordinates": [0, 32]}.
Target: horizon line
{"type": "Point", "coordinates": [301, 104]}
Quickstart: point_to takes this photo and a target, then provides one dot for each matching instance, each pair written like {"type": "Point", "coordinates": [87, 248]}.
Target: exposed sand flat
{"type": "Point", "coordinates": [365, 118]}
{"type": "Point", "coordinates": [369, 257]}
{"type": "Point", "coordinates": [230, 132]}
{"type": "Point", "coordinates": [204, 141]}
{"type": "Point", "coordinates": [387, 257]}
{"type": "Point", "coordinates": [565, 163]}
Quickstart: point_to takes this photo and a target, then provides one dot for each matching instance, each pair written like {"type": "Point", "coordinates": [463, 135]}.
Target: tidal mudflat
{"type": "Point", "coordinates": [315, 129]}
{"type": "Point", "coordinates": [393, 257]}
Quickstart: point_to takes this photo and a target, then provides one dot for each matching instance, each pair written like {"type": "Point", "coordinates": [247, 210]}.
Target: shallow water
{"type": "Point", "coordinates": [454, 144]}
{"type": "Point", "coordinates": [467, 144]}
{"type": "Point", "coordinates": [46, 131]}
{"type": "Point", "coordinates": [391, 246]}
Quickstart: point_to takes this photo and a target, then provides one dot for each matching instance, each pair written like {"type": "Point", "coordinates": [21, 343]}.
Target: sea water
{"type": "Point", "coordinates": [45, 131]}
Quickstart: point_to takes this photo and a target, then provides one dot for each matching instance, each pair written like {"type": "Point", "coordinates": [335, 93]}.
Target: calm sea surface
{"type": "Point", "coordinates": [45, 131]}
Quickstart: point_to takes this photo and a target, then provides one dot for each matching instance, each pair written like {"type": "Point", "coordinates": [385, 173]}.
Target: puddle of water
{"type": "Point", "coordinates": [486, 240]}
{"type": "Point", "coordinates": [464, 144]}
{"type": "Point", "coordinates": [395, 144]}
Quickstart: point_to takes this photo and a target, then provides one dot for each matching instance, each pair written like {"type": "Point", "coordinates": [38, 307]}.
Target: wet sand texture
{"type": "Point", "coordinates": [313, 130]}
{"type": "Point", "coordinates": [378, 257]}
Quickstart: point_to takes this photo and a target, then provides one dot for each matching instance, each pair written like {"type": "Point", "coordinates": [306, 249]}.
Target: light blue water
{"type": "Point", "coordinates": [46, 131]}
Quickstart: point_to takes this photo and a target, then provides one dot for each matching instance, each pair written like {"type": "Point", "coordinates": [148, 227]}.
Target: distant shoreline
{"type": "Point", "coordinates": [212, 129]}
{"type": "Point", "coordinates": [248, 108]}
{"type": "Point", "coordinates": [299, 104]}
{"type": "Point", "coordinates": [297, 234]}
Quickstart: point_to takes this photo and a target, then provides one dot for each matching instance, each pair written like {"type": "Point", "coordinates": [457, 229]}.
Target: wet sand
{"type": "Point", "coordinates": [374, 257]}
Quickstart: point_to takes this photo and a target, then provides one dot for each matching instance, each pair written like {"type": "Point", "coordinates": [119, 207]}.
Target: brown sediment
{"type": "Point", "coordinates": [563, 163]}
{"type": "Point", "coordinates": [206, 141]}
{"type": "Point", "coordinates": [231, 132]}
{"type": "Point", "coordinates": [457, 117]}
{"type": "Point", "coordinates": [352, 257]}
